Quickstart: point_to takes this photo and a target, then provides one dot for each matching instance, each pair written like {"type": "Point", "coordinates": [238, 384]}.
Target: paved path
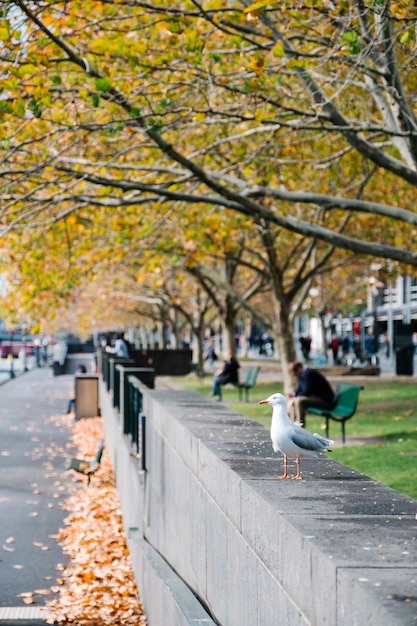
{"type": "Point", "coordinates": [34, 447]}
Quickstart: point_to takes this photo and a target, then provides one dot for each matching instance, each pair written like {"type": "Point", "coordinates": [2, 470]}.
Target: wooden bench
{"type": "Point", "coordinates": [249, 382]}
{"type": "Point", "coordinates": [345, 408]}
{"type": "Point", "coordinates": [87, 467]}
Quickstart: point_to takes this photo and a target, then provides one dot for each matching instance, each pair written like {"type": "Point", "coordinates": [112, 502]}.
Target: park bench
{"type": "Point", "coordinates": [87, 467]}
{"type": "Point", "coordinates": [249, 382]}
{"type": "Point", "coordinates": [345, 408]}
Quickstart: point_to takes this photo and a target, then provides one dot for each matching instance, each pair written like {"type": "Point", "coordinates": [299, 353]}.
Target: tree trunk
{"type": "Point", "coordinates": [283, 331]}
{"type": "Point", "coordinates": [229, 327]}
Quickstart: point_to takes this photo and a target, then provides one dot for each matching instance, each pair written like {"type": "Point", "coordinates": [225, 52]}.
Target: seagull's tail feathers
{"type": "Point", "coordinates": [325, 443]}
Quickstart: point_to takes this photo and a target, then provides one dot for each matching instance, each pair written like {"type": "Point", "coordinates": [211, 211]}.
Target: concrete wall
{"type": "Point", "coordinates": [215, 538]}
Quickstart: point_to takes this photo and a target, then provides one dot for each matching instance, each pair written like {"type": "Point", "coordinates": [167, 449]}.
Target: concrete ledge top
{"type": "Point", "coordinates": [246, 447]}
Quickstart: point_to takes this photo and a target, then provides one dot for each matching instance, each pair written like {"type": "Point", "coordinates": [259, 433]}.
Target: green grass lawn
{"type": "Point", "coordinates": [386, 416]}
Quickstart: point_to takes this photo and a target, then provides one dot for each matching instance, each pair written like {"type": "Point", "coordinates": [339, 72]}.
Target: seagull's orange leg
{"type": "Point", "coordinates": [285, 474]}
{"type": "Point", "coordinates": [298, 474]}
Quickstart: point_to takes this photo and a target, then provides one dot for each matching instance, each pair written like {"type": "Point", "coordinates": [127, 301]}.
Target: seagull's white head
{"type": "Point", "coordinates": [277, 399]}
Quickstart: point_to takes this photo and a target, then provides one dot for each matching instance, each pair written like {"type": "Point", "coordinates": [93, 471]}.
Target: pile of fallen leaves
{"type": "Point", "coordinates": [98, 586]}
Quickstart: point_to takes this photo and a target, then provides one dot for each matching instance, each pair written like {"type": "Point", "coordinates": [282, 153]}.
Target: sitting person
{"type": "Point", "coordinates": [313, 390]}
{"type": "Point", "coordinates": [228, 374]}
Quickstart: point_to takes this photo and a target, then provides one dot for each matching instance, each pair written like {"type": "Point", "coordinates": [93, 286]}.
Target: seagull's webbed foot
{"type": "Point", "coordinates": [298, 474]}
{"type": "Point", "coordinates": [285, 474]}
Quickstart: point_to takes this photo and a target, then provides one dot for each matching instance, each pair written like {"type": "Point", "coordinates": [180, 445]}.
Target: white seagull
{"type": "Point", "coordinates": [290, 438]}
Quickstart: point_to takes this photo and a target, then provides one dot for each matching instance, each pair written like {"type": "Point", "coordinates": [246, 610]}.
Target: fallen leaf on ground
{"type": "Point", "coordinates": [7, 548]}
{"type": "Point", "coordinates": [29, 600]}
{"type": "Point", "coordinates": [98, 586]}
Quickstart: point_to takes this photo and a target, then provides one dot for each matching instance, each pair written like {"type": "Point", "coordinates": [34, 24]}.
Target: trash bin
{"type": "Point", "coordinates": [404, 361]}
{"type": "Point", "coordinates": [86, 396]}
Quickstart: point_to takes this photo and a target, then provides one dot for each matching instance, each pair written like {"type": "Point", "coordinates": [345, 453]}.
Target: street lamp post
{"type": "Point", "coordinates": [24, 337]}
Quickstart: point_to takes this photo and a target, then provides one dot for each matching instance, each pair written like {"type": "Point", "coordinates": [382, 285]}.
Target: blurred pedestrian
{"type": "Point", "coordinates": [120, 348]}
{"type": "Point", "coordinates": [209, 353]}
{"type": "Point", "coordinates": [305, 342]}
{"type": "Point", "coordinates": [334, 346]}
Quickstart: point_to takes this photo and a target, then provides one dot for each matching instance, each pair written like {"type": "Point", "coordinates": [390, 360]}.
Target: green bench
{"type": "Point", "coordinates": [87, 467]}
{"type": "Point", "coordinates": [249, 382]}
{"type": "Point", "coordinates": [345, 408]}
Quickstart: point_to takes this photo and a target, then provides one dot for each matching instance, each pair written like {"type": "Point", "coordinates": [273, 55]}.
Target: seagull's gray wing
{"type": "Point", "coordinates": [324, 442]}
{"type": "Point", "coordinates": [305, 440]}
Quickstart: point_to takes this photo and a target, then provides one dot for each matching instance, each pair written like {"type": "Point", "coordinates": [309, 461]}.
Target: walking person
{"type": "Point", "coordinates": [209, 354]}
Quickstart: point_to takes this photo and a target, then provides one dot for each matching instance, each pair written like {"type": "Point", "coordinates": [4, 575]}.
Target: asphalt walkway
{"type": "Point", "coordinates": [34, 448]}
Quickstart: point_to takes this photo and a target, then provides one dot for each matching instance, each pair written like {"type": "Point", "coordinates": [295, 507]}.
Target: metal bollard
{"type": "Point", "coordinates": [11, 365]}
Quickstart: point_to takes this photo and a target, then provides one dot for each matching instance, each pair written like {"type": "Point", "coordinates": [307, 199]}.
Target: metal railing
{"type": "Point", "coordinates": [125, 383]}
{"type": "Point", "coordinates": [134, 420]}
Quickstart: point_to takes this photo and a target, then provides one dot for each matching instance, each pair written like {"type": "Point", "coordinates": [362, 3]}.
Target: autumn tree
{"type": "Point", "coordinates": [305, 123]}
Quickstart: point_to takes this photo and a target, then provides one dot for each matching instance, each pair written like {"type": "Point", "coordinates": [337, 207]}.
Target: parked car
{"type": "Point", "coordinates": [15, 347]}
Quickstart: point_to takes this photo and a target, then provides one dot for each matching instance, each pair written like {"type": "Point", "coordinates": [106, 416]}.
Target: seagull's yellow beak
{"type": "Point", "coordinates": [263, 402]}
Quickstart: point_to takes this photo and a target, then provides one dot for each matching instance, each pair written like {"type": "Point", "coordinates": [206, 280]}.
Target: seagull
{"type": "Point", "coordinates": [291, 438]}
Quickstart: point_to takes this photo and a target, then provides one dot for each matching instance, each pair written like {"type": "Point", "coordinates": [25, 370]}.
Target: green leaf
{"type": "Point", "coordinates": [155, 126]}
{"type": "Point", "coordinates": [6, 106]}
{"type": "Point", "coordinates": [278, 50]}
{"type": "Point", "coordinates": [247, 86]}
{"type": "Point", "coordinates": [165, 102]}
{"type": "Point", "coordinates": [103, 84]}
{"type": "Point", "coordinates": [95, 98]}
{"type": "Point", "coordinates": [35, 108]}
{"type": "Point", "coordinates": [351, 37]}
{"type": "Point", "coordinates": [174, 27]}
{"type": "Point", "coordinates": [215, 57]}
{"type": "Point", "coordinates": [19, 107]}
{"type": "Point", "coordinates": [405, 37]}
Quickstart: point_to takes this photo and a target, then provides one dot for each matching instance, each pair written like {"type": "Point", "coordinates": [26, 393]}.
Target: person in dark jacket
{"type": "Point", "coordinates": [228, 374]}
{"type": "Point", "coordinates": [313, 390]}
